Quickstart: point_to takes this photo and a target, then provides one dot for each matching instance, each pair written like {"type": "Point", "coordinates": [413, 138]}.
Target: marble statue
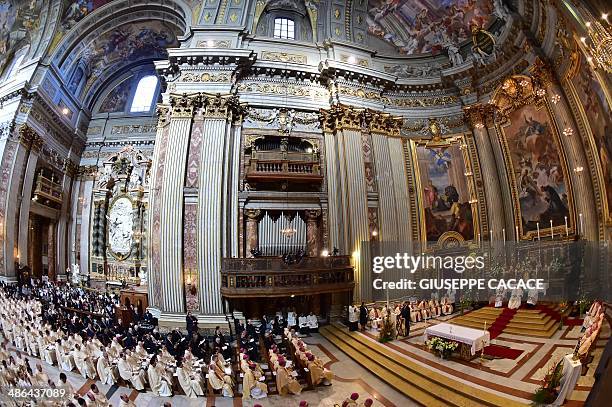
{"type": "Point", "coordinates": [121, 226]}
{"type": "Point", "coordinates": [500, 10]}
{"type": "Point", "coordinates": [454, 55]}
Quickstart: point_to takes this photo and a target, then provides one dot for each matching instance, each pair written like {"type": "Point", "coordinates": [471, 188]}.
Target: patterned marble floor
{"type": "Point", "coordinates": [350, 377]}
{"type": "Point", "coordinates": [519, 377]}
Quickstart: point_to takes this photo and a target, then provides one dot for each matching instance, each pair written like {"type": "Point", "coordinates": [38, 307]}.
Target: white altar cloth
{"type": "Point", "coordinates": [475, 338]}
{"type": "Point", "coordinates": [571, 373]}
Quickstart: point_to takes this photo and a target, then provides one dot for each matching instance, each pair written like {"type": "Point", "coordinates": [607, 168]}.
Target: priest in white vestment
{"type": "Point", "coordinates": [135, 376]}
{"type": "Point", "coordinates": [125, 401]}
{"type": "Point", "coordinates": [84, 363]}
{"type": "Point", "coordinates": [190, 384]}
{"type": "Point", "coordinates": [158, 383]}
{"type": "Point", "coordinates": [106, 371]}
{"type": "Point", "coordinates": [313, 322]}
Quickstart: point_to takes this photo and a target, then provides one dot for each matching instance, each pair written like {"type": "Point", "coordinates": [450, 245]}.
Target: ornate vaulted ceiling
{"type": "Point", "coordinates": [424, 26]}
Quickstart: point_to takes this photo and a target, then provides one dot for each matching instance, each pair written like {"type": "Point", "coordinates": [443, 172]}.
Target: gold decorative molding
{"type": "Point", "coordinates": [358, 61]}
{"type": "Point", "coordinates": [260, 6]}
{"type": "Point", "coordinates": [516, 91]}
{"type": "Point", "coordinates": [27, 137]}
{"type": "Point", "coordinates": [221, 77]}
{"type": "Point", "coordinates": [420, 102]}
{"type": "Point", "coordinates": [214, 44]}
{"type": "Point", "coordinates": [282, 89]}
{"type": "Point", "coordinates": [383, 123]}
{"type": "Point", "coordinates": [283, 57]}
{"type": "Point", "coordinates": [252, 214]}
{"type": "Point", "coordinates": [359, 93]}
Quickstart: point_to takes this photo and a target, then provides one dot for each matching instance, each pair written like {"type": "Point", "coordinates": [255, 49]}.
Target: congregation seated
{"type": "Point", "coordinates": [592, 327]}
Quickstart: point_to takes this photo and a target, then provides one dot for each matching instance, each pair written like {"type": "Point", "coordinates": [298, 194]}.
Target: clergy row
{"type": "Point", "coordinates": [312, 365]}
{"type": "Point", "coordinates": [401, 314]}
{"type": "Point", "coordinates": [16, 372]}
{"type": "Point", "coordinates": [592, 327]}
{"type": "Point", "coordinates": [23, 326]}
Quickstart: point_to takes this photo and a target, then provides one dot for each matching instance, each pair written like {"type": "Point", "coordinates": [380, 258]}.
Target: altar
{"type": "Point", "coordinates": [470, 340]}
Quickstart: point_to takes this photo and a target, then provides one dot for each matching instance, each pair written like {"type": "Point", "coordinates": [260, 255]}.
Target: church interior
{"type": "Point", "coordinates": [305, 203]}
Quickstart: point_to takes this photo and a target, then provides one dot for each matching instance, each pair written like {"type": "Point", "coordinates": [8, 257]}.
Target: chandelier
{"type": "Point", "coordinates": [288, 231]}
{"type": "Point", "coordinates": [598, 44]}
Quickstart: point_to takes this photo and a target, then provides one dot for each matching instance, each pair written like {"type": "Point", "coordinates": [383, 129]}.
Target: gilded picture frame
{"type": "Point", "coordinates": [449, 237]}
{"type": "Point", "coordinates": [514, 95]}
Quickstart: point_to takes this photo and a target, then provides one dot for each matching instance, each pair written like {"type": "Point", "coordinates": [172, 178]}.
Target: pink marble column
{"type": "Point", "coordinates": [252, 220]}
{"type": "Point", "coordinates": [313, 240]}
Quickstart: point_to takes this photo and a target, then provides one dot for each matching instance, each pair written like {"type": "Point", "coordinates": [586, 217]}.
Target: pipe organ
{"type": "Point", "coordinates": [281, 232]}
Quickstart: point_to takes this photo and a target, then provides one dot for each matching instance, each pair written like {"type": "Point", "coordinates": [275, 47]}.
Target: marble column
{"type": "Point", "coordinates": [24, 209]}
{"type": "Point", "coordinates": [212, 226]}
{"type": "Point", "coordinates": [64, 221]}
{"type": "Point", "coordinates": [171, 209]}
{"type": "Point", "coordinates": [349, 190]}
{"type": "Point", "coordinates": [313, 237]}
{"type": "Point", "coordinates": [86, 216]}
{"type": "Point", "coordinates": [154, 285]}
{"type": "Point", "coordinates": [51, 255]}
{"type": "Point", "coordinates": [252, 220]}
{"type": "Point", "coordinates": [480, 118]}
{"type": "Point", "coordinates": [15, 159]}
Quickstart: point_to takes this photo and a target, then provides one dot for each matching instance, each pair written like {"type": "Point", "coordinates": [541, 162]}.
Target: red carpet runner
{"type": "Point", "coordinates": [500, 323]}
{"type": "Point", "coordinates": [502, 352]}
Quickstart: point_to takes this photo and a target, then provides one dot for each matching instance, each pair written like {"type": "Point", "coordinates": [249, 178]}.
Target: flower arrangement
{"type": "Point", "coordinates": [550, 386]}
{"type": "Point", "coordinates": [442, 346]}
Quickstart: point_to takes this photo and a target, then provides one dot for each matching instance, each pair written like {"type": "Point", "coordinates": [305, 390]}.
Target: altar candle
{"type": "Point", "coordinates": [478, 239]}
{"type": "Point", "coordinates": [552, 232]}
{"type": "Point", "coordinates": [504, 235]}
{"type": "Point", "coordinates": [491, 235]}
{"type": "Point", "coordinates": [538, 226]}
{"type": "Point", "coordinates": [581, 229]}
{"type": "Point", "coordinates": [517, 234]}
{"type": "Point", "coordinates": [566, 228]}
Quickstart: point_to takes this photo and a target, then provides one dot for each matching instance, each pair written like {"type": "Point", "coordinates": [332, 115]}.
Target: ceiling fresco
{"type": "Point", "coordinates": [424, 26]}
{"type": "Point", "coordinates": [19, 27]}
{"type": "Point", "coordinates": [76, 10]}
{"type": "Point", "coordinates": [125, 44]}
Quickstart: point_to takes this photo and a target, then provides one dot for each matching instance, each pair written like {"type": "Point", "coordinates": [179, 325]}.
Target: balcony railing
{"type": "Point", "coordinates": [283, 170]}
{"type": "Point", "coordinates": [47, 190]}
{"type": "Point", "coordinates": [270, 276]}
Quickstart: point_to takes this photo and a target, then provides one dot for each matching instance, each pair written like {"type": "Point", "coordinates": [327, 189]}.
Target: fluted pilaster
{"type": "Point", "coordinates": [171, 209]}
{"type": "Point", "coordinates": [480, 118]}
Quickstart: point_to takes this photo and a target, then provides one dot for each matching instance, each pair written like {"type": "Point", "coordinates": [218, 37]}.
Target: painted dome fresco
{"type": "Point", "coordinates": [425, 26]}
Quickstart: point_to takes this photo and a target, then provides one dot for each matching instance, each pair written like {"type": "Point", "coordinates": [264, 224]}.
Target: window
{"type": "Point", "coordinates": [284, 28]}
{"type": "Point", "coordinates": [145, 91]}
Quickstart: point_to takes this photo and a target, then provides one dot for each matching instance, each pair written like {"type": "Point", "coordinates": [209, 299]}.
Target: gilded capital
{"type": "Point", "coordinates": [383, 123]}
{"type": "Point", "coordinates": [341, 117]}
{"type": "Point", "coordinates": [252, 214]}
{"type": "Point", "coordinates": [221, 106]}
{"type": "Point", "coordinates": [27, 136]}
{"type": "Point", "coordinates": [162, 115]}
{"type": "Point", "coordinates": [479, 115]}
{"type": "Point", "coordinates": [312, 214]}
{"type": "Point", "coordinates": [183, 105]}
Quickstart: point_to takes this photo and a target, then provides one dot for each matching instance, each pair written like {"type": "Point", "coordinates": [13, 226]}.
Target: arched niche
{"type": "Point", "coordinates": [294, 10]}
{"type": "Point", "coordinates": [115, 37]}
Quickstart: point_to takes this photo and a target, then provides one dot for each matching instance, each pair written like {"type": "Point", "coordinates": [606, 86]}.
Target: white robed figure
{"type": "Point", "coordinates": [515, 298]}
{"type": "Point", "coordinates": [158, 383]}
{"type": "Point", "coordinates": [191, 386]}
{"type": "Point", "coordinates": [135, 376]}
{"type": "Point", "coordinates": [106, 372]}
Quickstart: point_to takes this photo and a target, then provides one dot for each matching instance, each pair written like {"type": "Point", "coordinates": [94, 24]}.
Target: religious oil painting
{"type": "Point", "coordinates": [116, 99]}
{"type": "Point", "coordinates": [415, 27]}
{"type": "Point", "coordinates": [444, 192]}
{"type": "Point", "coordinates": [596, 110]}
{"type": "Point", "coordinates": [538, 169]}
